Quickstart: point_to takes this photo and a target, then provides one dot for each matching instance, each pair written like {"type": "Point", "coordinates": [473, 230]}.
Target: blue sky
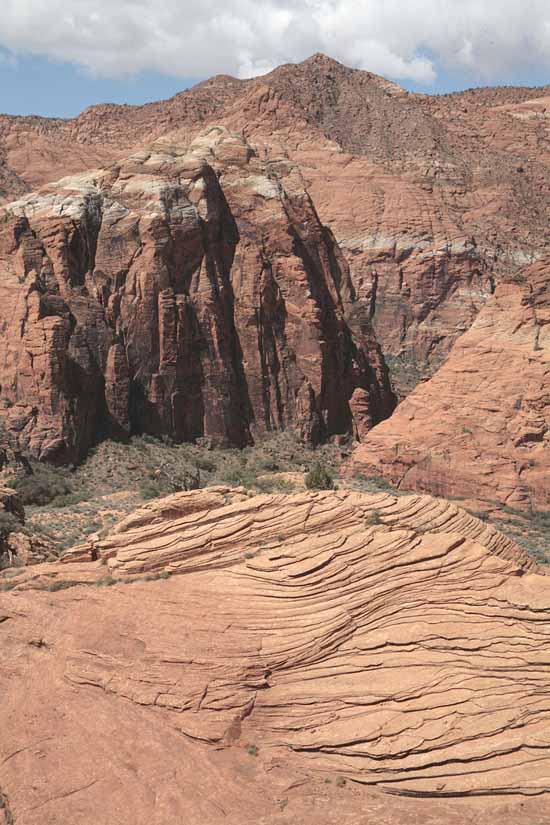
{"type": "Point", "coordinates": [59, 56]}
{"type": "Point", "coordinates": [40, 86]}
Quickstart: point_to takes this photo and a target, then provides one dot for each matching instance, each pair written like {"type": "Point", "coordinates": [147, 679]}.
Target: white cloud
{"type": "Point", "coordinates": [402, 39]}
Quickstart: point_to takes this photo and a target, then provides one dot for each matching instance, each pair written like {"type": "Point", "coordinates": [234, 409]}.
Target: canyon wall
{"type": "Point", "coordinates": [480, 428]}
{"type": "Point", "coordinates": [183, 292]}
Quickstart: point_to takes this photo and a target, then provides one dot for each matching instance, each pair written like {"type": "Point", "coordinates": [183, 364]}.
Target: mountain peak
{"type": "Point", "coordinates": [321, 65]}
{"type": "Point", "coordinates": [320, 59]}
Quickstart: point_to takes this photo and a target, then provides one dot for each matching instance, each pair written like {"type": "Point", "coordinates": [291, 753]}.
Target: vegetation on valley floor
{"type": "Point", "coordinates": [530, 530]}
{"type": "Point", "coordinates": [64, 505]}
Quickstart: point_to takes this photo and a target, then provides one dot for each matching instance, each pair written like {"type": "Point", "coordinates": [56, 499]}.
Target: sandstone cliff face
{"type": "Point", "coordinates": [431, 199]}
{"type": "Point", "coordinates": [410, 210]}
{"type": "Point", "coordinates": [421, 274]}
{"type": "Point", "coordinates": [480, 428]}
{"type": "Point", "coordinates": [191, 293]}
{"type": "Point", "coordinates": [430, 208]}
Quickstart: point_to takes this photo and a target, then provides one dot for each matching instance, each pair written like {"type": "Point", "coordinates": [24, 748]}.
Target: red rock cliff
{"type": "Point", "coordinates": [192, 293]}
{"type": "Point", "coordinates": [480, 428]}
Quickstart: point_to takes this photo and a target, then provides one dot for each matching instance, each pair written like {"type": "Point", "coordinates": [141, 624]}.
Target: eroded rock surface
{"type": "Point", "coordinates": [398, 643]}
{"type": "Point", "coordinates": [186, 291]}
{"type": "Point", "coordinates": [19, 547]}
{"type": "Point", "coordinates": [480, 428]}
{"type": "Point", "coordinates": [431, 198]}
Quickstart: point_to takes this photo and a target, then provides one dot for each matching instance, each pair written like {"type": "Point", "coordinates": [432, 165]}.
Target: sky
{"type": "Point", "coordinates": [59, 56]}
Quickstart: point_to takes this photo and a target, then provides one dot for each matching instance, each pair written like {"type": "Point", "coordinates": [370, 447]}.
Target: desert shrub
{"type": "Point", "coordinates": [8, 524]}
{"type": "Point", "coordinates": [67, 500]}
{"type": "Point", "coordinates": [374, 518]}
{"type": "Point", "coordinates": [205, 464]}
{"type": "Point", "coordinates": [150, 489]}
{"type": "Point", "coordinates": [541, 520]}
{"type": "Point", "coordinates": [153, 577]}
{"type": "Point", "coordinates": [253, 750]}
{"type": "Point", "coordinates": [480, 514]}
{"type": "Point", "coordinates": [319, 478]}
{"type": "Point", "coordinates": [375, 483]}
{"type": "Point", "coordinates": [268, 465]}
{"type": "Point", "coordinates": [274, 485]}
{"type": "Point", "coordinates": [239, 474]}
{"type": "Point", "coordinates": [91, 527]}
{"type": "Point", "coordinates": [234, 475]}
{"type": "Point", "coordinates": [106, 581]}
{"type": "Point", "coordinates": [45, 484]}
{"type": "Point", "coordinates": [14, 571]}
{"type": "Point", "coordinates": [61, 584]}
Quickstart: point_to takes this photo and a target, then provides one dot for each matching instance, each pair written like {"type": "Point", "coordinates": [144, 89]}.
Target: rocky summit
{"type": "Point", "coordinates": [275, 457]}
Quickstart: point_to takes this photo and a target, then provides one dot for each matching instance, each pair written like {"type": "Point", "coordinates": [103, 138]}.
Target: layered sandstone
{"type": "Point", "coordinates": [396, 643]}
{"type": "Point", "coordinates": [432, 199]}
{"type": "Point", "coordinates": [480, 428]}
{"type": "Point", "coordinates": [339, 213]}
{"type": "Point", "coordinates": [187, 291]}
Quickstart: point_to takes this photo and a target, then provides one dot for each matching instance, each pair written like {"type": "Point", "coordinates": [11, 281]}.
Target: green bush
{"type": "Point", "coordinates": [8, 524]}
{"type": "Point", "coordinates": [45, 484]}
{"type": "Point", "coordinates": [153, 577]}
{"type": "Point", "coordinates": [62, 584]}
{"type": "Point", "coordinates": [235, 475]}
{"type": "Point", "coordinates": [274, 485]}
{"type": "Point", "coordinates": [319, 478]}
{"type": "Point", "coordinates": [205, 464]}
{"type": "Point", "coordinates": [68, 500]}
{"type": "Point", "coordinates": [541, 519]}
{"type": "Point", "coordinates": [149, 490]}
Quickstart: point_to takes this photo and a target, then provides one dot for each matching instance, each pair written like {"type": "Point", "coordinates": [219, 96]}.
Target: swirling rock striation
{"type": "Point", "coordinates": [396, 642]}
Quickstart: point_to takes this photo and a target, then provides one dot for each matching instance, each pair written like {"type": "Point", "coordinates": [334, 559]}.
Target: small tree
{"type": "Point", "coordinates": [319, 478]}
{"type": "Point", "coordinates": [8, 524]}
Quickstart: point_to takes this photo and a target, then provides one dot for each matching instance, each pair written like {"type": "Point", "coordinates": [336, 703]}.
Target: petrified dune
{"type": "Point", "coordinates": [397, 642]}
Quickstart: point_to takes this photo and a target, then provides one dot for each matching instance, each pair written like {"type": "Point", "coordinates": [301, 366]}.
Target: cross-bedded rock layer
{"type": "Point", "coordinates": [396, 642]}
